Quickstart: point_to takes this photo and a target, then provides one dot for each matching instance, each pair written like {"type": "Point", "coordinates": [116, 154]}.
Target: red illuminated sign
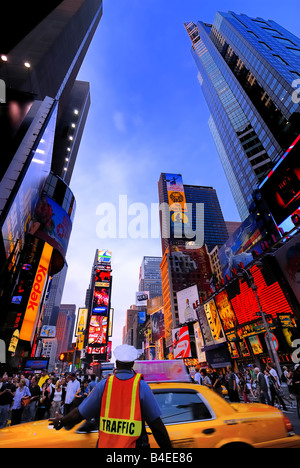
{"type": "Point", "coordinates": [271, 297]}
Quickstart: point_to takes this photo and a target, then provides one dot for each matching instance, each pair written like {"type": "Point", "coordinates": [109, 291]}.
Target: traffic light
{"type": "Point", "coordinates": [62, 357]}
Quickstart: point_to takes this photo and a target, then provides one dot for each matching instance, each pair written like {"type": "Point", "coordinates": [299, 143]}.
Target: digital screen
{"type": "Point", "coordinates": [32, 364]}
{"type": "Point", "coordinates": [97, 330]}
{"type": "Point", "coordinates": [101, 300]}
{"type": "Point", "coordinates": [281, 189]}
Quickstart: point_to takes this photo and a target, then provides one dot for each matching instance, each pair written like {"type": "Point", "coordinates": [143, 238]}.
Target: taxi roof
{"type": "Point", "coordinates": [163, 371]}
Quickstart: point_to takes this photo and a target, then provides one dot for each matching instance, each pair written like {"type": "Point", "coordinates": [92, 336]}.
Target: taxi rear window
{"type": "Point", "coordinates": [178, 406]}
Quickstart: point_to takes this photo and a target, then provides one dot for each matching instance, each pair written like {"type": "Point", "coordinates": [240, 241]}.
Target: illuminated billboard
{"type": "Point", "coordinates": [181, 343]}
{"type": "Point", "coordinates": [157, 325]}
{"type": "Point", "coordinates": [52, 224]}
{"type": "Point", "coordinates": [81, 321]}
{"type": "Point", "coordinates": [97, 331]}
{"type": "Point", "coordinates": [104, 256]}
{"type": "Point", "coordinates": [33, 306]}
{"type": "Point", "coordinates": [225, 310]}
{"type": "Point", "coordinates": [237, 249]}
{"type": "Point", "coordinates": [281, 189]}
{"type": "Point", "coordinates": [176, 195]}
{"type": "Point", "coordinates": [288, 257]}
{"type": "Point", "coordinates": [102, 278]}
{"type": "Point", "coordinates": [271, 297]}
{"type": "Point", "coordinates": [214, 322]}
{"type": "Point", "coordinates": [100, 300]}
{"type": "Point", "coordinates": [187, 300]}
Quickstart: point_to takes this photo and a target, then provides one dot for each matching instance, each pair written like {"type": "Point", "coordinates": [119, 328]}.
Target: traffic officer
{"type": "Point", "coordinates": [124, 403]}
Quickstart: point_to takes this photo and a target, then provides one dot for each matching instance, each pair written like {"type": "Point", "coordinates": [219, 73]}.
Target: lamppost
{"type": "Point", "coordinates": [244, 274]}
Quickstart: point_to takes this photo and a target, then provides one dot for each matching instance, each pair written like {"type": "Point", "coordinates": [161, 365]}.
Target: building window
{"type": "Point", "coordinates": [280, 59]}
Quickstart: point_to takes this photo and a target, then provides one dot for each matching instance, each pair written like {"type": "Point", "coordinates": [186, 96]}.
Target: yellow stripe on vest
{"type": "Point", "coordinates": [133, 396]}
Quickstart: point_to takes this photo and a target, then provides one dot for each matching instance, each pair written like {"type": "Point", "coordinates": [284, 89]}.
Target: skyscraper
{"type": "Point", "coordinates": [150, 276]}
{"type": "Point", "coordinates": [185, 260]}
{"type": "Point", "coordinates": [41, 124]}
{"type": "Point", "coordinates": [204, 217]}
{"type": "Point", "coordinates": [246, 68]}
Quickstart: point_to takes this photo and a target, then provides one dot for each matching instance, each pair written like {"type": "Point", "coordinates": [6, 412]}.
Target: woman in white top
{"type": "Point", "coordinates": [57, 399]}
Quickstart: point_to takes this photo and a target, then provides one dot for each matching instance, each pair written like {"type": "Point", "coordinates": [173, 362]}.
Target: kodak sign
{"type": "Point", "coordinates": [31, 314]}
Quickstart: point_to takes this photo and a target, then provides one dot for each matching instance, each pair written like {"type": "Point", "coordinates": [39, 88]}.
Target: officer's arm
{"type": "Point", "coordinates": [160, 433]}
{"type": "Point", "coordinates": [68, 421]}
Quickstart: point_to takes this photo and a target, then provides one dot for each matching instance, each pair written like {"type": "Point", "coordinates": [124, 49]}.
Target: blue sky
{"type": "Point", "coordinates": [147, 116]}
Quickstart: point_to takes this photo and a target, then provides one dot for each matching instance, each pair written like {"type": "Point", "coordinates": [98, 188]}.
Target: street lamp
{"type": "Point", "coordinates": [244, 274]}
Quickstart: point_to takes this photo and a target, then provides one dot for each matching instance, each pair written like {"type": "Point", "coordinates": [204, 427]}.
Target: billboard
{"type": "Point", "coordinates": [187, 301]}
{"type": "Point", "coordinates": [157, 325]}
{"type": "Point", "coordinates": [281, 188]}
{"type": "Point", "coordinates": [199, 343]}
{"type": "Point", "coordinates": [104, 256]}
{"type": "Point", "coordinates": [100, 300]}
{"type": "Point", "coordinates": [97, 331]}
{"type": "Point", "coordinates": [237, 249]}
{"type": "Point", "coordinates": [181, 343]}
{"type": "Point", "coordinates": [225, 310]}
{"type": "Point", "coordinates": [204, 326]}
{"type": "Point", "coordinates": [33, 306]}
{"type": "Point", "coordinates": [48, 331]}
{"type": "Point", "coordinates": [288, 257]}
{"type": "Point", "coordinates": [271, 297]}
{"type": "Point", "coordinates": [141, 298]}
{"type": "Point", "coordinates": [176, 195]}
{"type": "Point", "coordinates": [52, 224]}
{"type": "Point", "coordinates": [81, 321]}
{"type": "Point", "coordinates": [214, 322]}
{"type": "Point", "coordinates": [102, 278]}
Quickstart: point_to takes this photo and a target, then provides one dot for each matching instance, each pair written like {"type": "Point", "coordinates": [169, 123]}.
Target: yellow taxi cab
{"type": "Point", "coordinates": [195, 417]}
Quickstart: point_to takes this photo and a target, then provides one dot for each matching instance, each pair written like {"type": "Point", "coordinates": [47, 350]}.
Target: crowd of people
{"type": "Point", "coordinates": [41, 396]}
{"type": "Point", "coordinates": [253, 384]}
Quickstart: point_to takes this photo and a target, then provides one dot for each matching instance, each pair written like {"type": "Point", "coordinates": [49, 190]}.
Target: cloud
{"type": "Point", "coordinates": [119, 121]}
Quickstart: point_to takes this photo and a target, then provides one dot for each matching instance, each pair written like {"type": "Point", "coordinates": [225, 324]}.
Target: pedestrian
{"type": "Point", "coordinates": [44, 404]}
{"type": "Point", "coordinates": [262, 387]}
{"type": "Point", "coordinates": [233, 393]}
{"type": "Point", "coordinates": [57, 399]}
{"type": "Point", "coordinates": [44, 377]}
{"type": "Point", "coordinates": [217, 383]}
{"type": "Point", "coordinates": [244, 388]}
{"type": "Point", "coordinates": [125, 402]}
{"type": "Point", "coordinates": [72, 387]}
{"type": "Point", "coordinates": [29, 412]}
{"type": "Point", "coordinates": [205, 379]}
{"type": "Point", "coordinates": [17, 407]}
{"type": "Point", "coordinates": [198, 377]}
{"type": "Point", "coordinates": [92, 383]}
{"type": "Point", "coordinates": [275, 389]}
{"type": "Point", "coordinates": [7, 393]}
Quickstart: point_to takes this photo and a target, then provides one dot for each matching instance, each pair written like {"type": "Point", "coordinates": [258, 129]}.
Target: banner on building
{"type": "Point", "coordinates": [181, 343]}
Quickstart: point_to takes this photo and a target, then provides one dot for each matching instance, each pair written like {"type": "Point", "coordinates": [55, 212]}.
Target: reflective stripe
{"type": "Point", "coordinates": [133, 396]}
{"type": "Point", "coordinates": [108, 395]}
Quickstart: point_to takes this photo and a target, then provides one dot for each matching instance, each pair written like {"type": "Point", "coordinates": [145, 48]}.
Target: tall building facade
{"type": "Point", "coordinates": [150, 276]}
{"type": "Point", "coordinates": [205, 217]}
{"type": "Point", "coordinates": [41, 122]}
{"type": "Point", "coordinates": [246, 69]}
{"type": "Point", "coordinates": [186, 259]}
{"type": "Point", "coordinates": [65, 327]}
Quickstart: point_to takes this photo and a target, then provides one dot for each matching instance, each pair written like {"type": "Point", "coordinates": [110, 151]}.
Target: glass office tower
{"type": "Point", "coordinates": [247, 67]}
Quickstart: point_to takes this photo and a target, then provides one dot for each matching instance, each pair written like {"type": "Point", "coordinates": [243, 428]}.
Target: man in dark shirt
{"type": "Point", "coordinates": [7, 393]}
